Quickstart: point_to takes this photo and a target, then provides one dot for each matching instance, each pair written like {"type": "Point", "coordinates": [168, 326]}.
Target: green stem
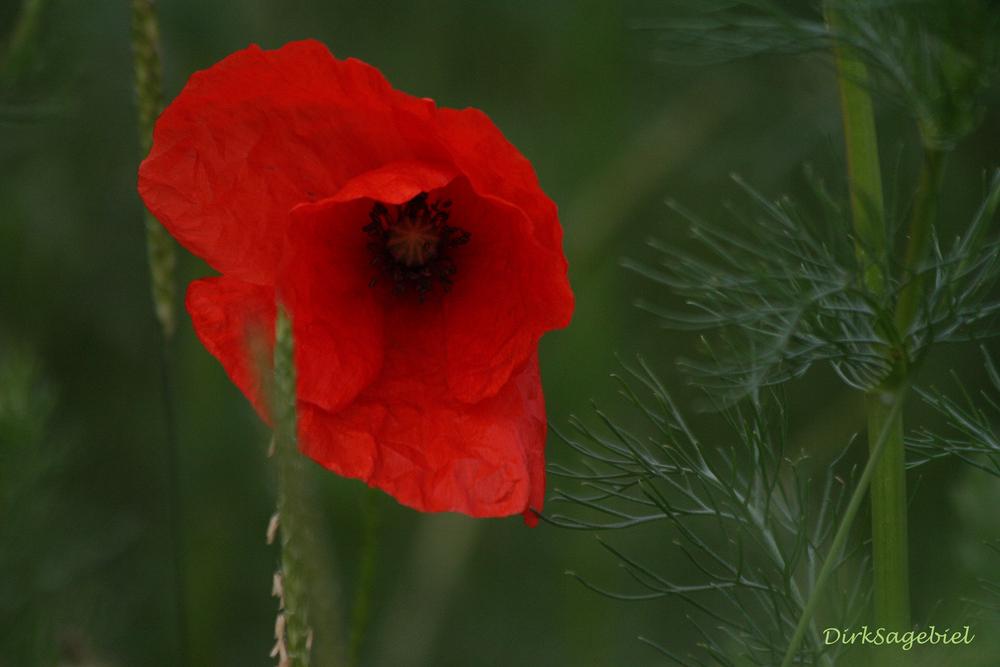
{"type": "Point", "coordinates": [310, 608]}
{"type": "Point", "coordinates": [918, 242]}
{"type": "Point", "coordinates": [160, 254]}
{"type": "Point", "coordinates": [893, 415]}
{"type": "Point", "coordinates": [890, 559]}
{"type": "Point", "coordinates": [291, 501]}
{"type": "Point", "coordinates": [366, 577]}
{"type": "Point", "coordinates": [864, 172]}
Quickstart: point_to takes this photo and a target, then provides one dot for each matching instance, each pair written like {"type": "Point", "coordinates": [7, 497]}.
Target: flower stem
{"type": "Point", "coordinates": [161, 257]}
{"type": "Point", "coordinates": [291, 502]}
{"type": "Point", "coordinates": [366, 577]}
{"type": "Point", "coordinates": [309, 589]}
{"type": "Point", "coordinates": [892, 416]}
{"type": "Point", "coordinates": [159, 244]}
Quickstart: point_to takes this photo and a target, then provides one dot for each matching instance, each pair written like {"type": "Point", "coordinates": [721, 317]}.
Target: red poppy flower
{"type": "Point", "coordinates": [413, 248]}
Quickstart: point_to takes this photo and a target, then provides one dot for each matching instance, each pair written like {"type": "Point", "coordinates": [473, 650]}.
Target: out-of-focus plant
{"type": "Point", "coordinates": [16, 51]}
{"type": "Point", "coordinates": [27, 499]}
{"type": "Point", "coordinates": [49, 544]}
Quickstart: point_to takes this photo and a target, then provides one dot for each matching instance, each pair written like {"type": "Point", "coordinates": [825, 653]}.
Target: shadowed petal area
{"type": "Point", "coordinates": [337, 320]}
{"type": "Point", "coordinates": [509, 289]}
{"type": "Point", "coordinates": [325, 282]}
{"type": "Point", "coordinates": [406, 433]}
{"type": "Point", "coordinates": [234, 320]}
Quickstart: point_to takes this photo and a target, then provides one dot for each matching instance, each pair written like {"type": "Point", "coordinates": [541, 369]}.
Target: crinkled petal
{"type": "Point", "coordinates": [263, 131]}
{"type": "Point", "coordinates": [482, 460]}
{"type": "Point", "coordinates": [521, 286]}
{"type": "Point", "coordinates": [234, 320]}
{"type": "Point", "coordinates": [267, 166]}
{"type": "Point", "coordinates": [406, 433]}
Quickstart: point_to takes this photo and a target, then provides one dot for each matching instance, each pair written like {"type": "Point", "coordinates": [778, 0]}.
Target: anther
{"type": "Point", "coordinates": [411, 246]}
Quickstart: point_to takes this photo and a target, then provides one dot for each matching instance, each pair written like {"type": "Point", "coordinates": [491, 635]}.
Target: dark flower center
{"type": "Point", "coordinates": [411, 245]}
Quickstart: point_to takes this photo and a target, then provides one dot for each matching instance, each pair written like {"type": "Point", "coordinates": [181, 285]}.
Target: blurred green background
{"type": "Point", "coordinates": [86, 573]}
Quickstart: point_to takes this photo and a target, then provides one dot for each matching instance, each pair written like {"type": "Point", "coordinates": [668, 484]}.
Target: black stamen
{"type": "Point", "coordinates": [411, 247]}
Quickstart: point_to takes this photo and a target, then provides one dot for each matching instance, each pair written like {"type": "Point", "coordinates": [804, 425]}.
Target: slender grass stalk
{"type": "Point", "coordinates": [892, 415]}
{"type": "Point", "coordinates": [149, 92]}
{"type": "Point", "coordinates": [161, 257]}
{"type": "Point", "coordinates": [309, 588]}
{"type": "Point", "coordinates": [919, 236]}
{"type": "Point", "coordinates": [366, 577]}
{"type": "Point", "coordinates": [295, 547]}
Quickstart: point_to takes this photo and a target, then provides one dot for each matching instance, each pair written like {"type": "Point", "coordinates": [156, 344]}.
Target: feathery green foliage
{"type": "Point", "coordinates": [974, 439]}
{"type": "Point", "coordinates": [783, 295]}
{"type": "Point", "coordinates": [744, 516]}
{"type": "Point", "coordinates": [788, 293]}
{"type": "Point", "coordinates": [937, 58]}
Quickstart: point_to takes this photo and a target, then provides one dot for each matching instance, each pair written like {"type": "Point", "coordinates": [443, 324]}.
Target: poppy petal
{"type": "Point", "coordinates": [262, 131]}
{"type": "Point", "coordinates": [508, 290]}
{"type": "Point", "coordinates": [496, 168]}
{"type": "Point", "coordinates": [269, 165]}
{"type": "Point", "coordinates": [234, 320]}
{"type": "Point", "coordinates": [398, 183]}
{"type": "Point", "coordinates": [435, 454]}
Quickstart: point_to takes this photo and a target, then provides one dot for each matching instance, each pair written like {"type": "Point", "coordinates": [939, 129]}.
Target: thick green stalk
{"type": "Point", "coordinates": [863, 169]}
{"type": "Point", "coordinates": [890, 555]}
{"type": "Point", "coordinates": [892, 415]}
{"type": "Point", "coordinates": [890, 561]}
{"type": "Point", "coordinates": [309, 589]}
{"type": "Point", "coordinates": [890, 552]}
